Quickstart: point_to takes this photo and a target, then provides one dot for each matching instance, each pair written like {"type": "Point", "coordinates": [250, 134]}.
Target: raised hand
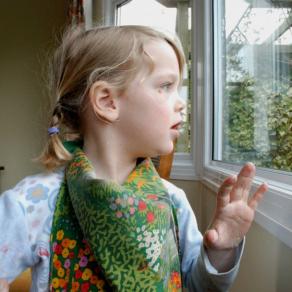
{"type": "Point", "coordinates": [234, 211]}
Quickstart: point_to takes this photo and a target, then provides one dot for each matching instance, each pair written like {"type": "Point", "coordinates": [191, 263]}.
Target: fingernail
{"type": "Point", "coordinates": [250, 164]}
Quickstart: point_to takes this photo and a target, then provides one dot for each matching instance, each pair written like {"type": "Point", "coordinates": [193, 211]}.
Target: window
{"type": "Point", "coordinates": [248, 101]}
{"type": "Point", "coordinates": [253, 83]}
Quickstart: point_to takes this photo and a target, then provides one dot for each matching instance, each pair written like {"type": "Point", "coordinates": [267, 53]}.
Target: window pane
{"type": "Point", "coordinates": [172, 16]}
{"type": "Point", "coordinates": [253, 82]}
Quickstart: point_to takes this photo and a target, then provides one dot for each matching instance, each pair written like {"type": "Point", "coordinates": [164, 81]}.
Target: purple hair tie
{"type": "Point", "coordinates": [53, 130]}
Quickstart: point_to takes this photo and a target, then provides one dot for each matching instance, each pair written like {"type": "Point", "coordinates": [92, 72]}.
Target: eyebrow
{"type": "Point", "coordinates": [168, 75]}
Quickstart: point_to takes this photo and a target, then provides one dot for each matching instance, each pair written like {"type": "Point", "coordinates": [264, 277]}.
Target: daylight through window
{"type": "Point", "coordinates": [253, 82]}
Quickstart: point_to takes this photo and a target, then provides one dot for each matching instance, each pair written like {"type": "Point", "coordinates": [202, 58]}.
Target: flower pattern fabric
{"type": "Point", "coordinates": [131, 232]}
{"type": "Point", "coordinates": [37, 193]}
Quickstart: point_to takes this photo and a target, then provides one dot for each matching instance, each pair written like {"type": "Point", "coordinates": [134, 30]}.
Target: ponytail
{"type": "Point", "coordinates": [54, 154]}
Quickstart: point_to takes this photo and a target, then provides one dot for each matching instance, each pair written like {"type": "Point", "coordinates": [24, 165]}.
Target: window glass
{"type": "Point", "coordinates": [253, 82]}
{"type": "Point", "coordinates": [174, 17]}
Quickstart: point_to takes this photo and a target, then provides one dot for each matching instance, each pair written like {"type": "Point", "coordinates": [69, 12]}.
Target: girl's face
{"type": "Point", "coordinates": [150, 109]}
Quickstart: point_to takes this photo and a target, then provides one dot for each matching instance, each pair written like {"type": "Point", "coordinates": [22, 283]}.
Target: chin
{"type": "Point", "coordinates": [158, 150]}
{"type": "Point", "coordinates": [167, 150]}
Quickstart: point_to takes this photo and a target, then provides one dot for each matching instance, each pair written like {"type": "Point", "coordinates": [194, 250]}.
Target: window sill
{"type": "Point", "coordinates": [183, 167]}
{"type": "Point", "coordinates": [274, 212]}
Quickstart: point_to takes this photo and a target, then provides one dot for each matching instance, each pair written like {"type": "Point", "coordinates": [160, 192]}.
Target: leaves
{"type": "Point", "coordinates": [257, 120]}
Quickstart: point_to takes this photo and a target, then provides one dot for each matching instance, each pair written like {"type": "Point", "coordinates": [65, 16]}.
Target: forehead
{"type": "Point", "coordinates": [163, 57]}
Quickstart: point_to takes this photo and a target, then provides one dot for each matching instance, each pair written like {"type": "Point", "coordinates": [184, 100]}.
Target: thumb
{"type": "Point", "coordinates": [210, 238]}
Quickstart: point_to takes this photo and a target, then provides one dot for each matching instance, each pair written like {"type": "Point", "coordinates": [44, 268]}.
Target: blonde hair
{"type": "Point", "coordinates": [114, 54]}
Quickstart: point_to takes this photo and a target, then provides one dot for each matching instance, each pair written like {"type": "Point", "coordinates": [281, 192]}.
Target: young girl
{"type": "Point", "coordinates": [102, 219]}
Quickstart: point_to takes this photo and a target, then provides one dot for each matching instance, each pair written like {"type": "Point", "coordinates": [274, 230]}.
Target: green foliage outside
{"type": "Point", "coordinates": [257, 119]}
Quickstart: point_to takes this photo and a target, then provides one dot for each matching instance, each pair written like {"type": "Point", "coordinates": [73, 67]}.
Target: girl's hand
{"type": "Point", "coordinates": [4, 286]}
{"type": "Point", "coordinates": [235, 210]}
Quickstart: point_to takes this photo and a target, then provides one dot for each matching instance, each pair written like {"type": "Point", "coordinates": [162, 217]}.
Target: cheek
{"type": "Point", "coordinates": [165, 105]}
{"type": "Point", "coordinates": [163, 113]}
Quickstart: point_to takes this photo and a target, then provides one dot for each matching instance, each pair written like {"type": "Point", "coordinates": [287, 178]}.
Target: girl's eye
{"type": "Point", "coordinates": [166, 86]}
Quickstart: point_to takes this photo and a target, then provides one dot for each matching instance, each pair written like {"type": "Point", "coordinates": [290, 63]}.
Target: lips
{"type": "Point", "coordinates": [177, 126]}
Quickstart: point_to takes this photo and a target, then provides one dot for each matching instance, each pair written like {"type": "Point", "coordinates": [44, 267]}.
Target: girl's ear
{"type": "Point", "coordinates": [103, 101]}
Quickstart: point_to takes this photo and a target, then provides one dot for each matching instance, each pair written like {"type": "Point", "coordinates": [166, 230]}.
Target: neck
{"type": "Point", "coordinates": [110, 161]}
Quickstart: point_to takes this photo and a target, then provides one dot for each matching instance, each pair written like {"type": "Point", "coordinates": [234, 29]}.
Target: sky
{"type": "Point", "coordinates": [263, 21]}
{"type": "Point", "coordinates": [150, 13]}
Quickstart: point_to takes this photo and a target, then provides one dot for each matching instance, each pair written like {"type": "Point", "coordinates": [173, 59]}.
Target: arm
{"type": "Point", "coordinates": [15, 252]}
{"type": "Point", "coordinates": [213, 265]}
{"type": "Point", "coordinates": [197, 271]}
{"type": "Point", "coordinates": [233, 217]}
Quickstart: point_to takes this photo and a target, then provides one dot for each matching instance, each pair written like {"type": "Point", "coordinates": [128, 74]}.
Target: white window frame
{"type": "Point", "coordinates": [275, 211]}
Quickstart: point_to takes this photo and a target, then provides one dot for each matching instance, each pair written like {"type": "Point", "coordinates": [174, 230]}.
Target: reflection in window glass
{"type": "Point", "coordinates": [171, 16]}
{"type": "Point", "coordinates": [253, 82]}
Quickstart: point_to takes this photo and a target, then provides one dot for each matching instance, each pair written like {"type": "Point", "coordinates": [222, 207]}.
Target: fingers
{"type": "Point", "coordinates": [223, 197]}
{"type": "Point", "coordinates": [258, 195]}
{"type": "Point", "coordinates": [238, 187]}
{"type": "Point", "coordinates": [244, 180]}
{"type": "Point", "coordinates": [4, 286]}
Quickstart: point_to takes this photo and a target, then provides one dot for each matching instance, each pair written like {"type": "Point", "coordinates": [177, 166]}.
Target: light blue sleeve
{"type": "Point", "coordinates": [198, 273]}
{"type": "Point", "coordinates": [15, 251]}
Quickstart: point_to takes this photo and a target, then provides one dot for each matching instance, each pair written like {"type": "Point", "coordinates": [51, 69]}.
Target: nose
{"type": "Point", "coordinates": [180, 104]}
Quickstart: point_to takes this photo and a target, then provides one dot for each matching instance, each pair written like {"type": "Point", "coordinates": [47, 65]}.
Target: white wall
{"type": "Point", "coordinates": [27, 30]}
{"type": "Point", "coordinates": [266, 264]}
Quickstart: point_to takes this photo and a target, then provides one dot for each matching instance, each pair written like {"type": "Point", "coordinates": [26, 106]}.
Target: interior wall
{"type": "Point", "coordinates": [193, 190]}
{"type": "Point", "coordinates": [28, 31]}
{"type": "Point", "coordinates": [266, 264]}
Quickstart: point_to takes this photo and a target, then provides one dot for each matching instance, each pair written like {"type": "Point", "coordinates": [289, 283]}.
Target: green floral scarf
{"type": "Point", "coordinates": [111, 237]}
